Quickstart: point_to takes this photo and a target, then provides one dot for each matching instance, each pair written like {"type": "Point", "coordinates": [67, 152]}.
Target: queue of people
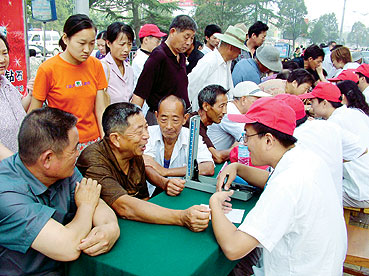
{"type": "Point", "coordinates": [87, 153]}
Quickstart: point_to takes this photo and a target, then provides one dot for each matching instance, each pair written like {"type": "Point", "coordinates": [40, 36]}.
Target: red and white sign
{"type": "Point", "coordinates": [12, 24]}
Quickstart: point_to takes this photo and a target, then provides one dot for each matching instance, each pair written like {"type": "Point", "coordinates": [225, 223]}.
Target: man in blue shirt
{"type": "Point", "coordinates": [266, 60]}
{"type": "Point", "coordinates": [47, 209]}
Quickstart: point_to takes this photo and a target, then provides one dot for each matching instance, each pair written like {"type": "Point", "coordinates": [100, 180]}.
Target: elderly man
{"type": "Point", "coordinates": [213, 106]}
{"type": "Point", "coordinates": [266, 60]}
{"type": "Point", "coordinates": [287, 222]}
{"type": "Point", "coordinates": [47, 208]}
{"type": "Point", "coordinates": [117, 163]}
{"type": "Point", "coordinates": [215, 67]}
{"type": "Point", "coordinates": [164, 72]}
{"type": "Point", "coordinates": [166, 152]}
{"type": "Point", "coordinates": [226, 133]}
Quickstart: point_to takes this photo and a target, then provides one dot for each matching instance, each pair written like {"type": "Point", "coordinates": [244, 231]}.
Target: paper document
{"type": "Point", "coordinates": [235, 216]}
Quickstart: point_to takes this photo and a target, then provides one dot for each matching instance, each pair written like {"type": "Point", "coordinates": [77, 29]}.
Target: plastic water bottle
{"type": "Point", "coordinates": [243, 152]}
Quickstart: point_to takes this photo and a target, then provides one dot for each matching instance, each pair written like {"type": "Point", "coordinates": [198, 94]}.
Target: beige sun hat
{"type": "Point", "coordinates": [269, 57]}
{"type": "Point", "coordinates": [234, 36]}
{"type": "Point", "coordinates": [247, 88]}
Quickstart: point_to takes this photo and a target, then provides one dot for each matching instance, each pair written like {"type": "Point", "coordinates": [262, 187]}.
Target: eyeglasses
{"type": "Point", "coordinates": [246, 137]}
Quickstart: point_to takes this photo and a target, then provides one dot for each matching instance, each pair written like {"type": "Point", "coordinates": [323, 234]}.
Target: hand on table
{"type": "Point", "coordinates": [196, 218]}
{"type": "Point", "coordinates": [175, 186]}
{"type": "Point", "coordinates": [221, 199]}
{"type": "Point", "coordinates": [100, 239]}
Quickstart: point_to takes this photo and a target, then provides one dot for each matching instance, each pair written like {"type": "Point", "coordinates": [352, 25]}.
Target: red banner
{"type": "Point", "coordinates": [12, 25]}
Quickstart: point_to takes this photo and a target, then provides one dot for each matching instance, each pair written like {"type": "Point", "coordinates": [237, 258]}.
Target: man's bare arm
{"type": "Point", "coordinates": [137, 100]}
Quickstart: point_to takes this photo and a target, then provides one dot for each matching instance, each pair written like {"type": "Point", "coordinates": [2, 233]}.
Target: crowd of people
{"type": "Point", "coordinates": [96, 137]}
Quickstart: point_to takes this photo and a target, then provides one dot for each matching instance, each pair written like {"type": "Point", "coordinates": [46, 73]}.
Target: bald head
{"type": "Point", "coordinates": [172, 100]}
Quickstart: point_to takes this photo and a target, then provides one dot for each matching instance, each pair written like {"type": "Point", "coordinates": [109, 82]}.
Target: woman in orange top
{"type": "Point", "coordinates": [73, 80]}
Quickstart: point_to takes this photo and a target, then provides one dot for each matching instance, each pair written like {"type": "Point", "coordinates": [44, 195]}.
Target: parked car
{"type": "Point", "coordinates": [52, 41]}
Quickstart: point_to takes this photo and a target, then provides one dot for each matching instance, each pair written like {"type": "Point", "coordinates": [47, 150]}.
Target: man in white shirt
{"type": "Point", "coordinates": [211, 41]}
{"type": "Point", "coordinates": [226, 133]}
{"type": "Point", "coordinates": [150, 37]}
{"type": "Point", "coordinates": [326, 103]}
{"type": "Point", "coordinates": [287, 222]}
{"type": "Point", "coordinates": [363, 73]}
{"type": "Point", "coordinates": [166, 152]}
{"type": "Point", "coordinates": [332, 143]}
{"type": "Point", "coordinates": [215, 67]}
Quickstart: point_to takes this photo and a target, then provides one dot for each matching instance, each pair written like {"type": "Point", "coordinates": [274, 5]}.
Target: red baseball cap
{"type": "Point", "coordinates": [270, 112]}
{"type": "Point", "coordinates": [363, 69]}
{"type": "Point", "coordinates": [150, 29]}
{"type": "Point", "coordinates": [295, 103]}
{"type": "Point", "coordinates": [348, 74]}
{"type": "Point", "coordinates": [324, 90]}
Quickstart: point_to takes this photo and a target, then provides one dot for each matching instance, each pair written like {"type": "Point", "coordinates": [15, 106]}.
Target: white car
{"type": "Point", "coordinates": [52, 40]}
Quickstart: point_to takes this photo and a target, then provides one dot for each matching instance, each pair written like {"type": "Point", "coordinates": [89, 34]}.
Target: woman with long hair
{"type": "Point", "coordinates": [352, 96]}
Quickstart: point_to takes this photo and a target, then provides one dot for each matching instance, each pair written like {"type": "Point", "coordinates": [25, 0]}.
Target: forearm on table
{"type": "Point", "coordinates": [139, 210]}
{"type": "Point", "coordinates": [206, 168]}
{"type": "Point", "coordinates": [254, 176]}
{"type": "Point", "coordinates": [155, 178]}
{"type": "Point", "coordinates": [234, 243]}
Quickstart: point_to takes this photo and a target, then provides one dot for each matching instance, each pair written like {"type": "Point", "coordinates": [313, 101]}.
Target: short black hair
{"type": "Point", "coordinates": [210, 93]}
{"type": "Point", "coordinates": [115, 117]}
{"type": "Point", "coordinates": [212, 29]}
{"type": "Point", "coordinates": [302, 120]}
{"type": "Point", "coordinates": [257, 28]}
{"type": "Point", "coordinates": [3, 38]}
{"type": "Point", "coordinates": [330, 43]}
{"type": "Point", "coordinates": [116, 28]}
{"type": "Point", "coordinates": [174, 98]}
{"type": "Point", "coordinates": [183, 23]}
{"type": "Point", "coordinates": [32, 52]}
{"type": "Point", "coordinates": [314, 52]}
{"type": "Point", "coordinates": [74, 24]}
{"type": "Point", "coordinates": [285, 139]}
{"type": "Point", "coordinates": [334, 104]}
{"type": "Point", "coordinates": [290, 65]}
{"type": "Point", "coordinates": [101, 35]}
{"type": "Point", "coordinates": [43, 129]}
{"type": "Point", "coordinates": [301, 76]}
{"type": "Point", "coordinates": [362, 75]}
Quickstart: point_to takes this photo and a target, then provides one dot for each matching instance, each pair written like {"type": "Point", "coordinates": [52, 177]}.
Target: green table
{"type": "Point", "coordinates": [160, 250]}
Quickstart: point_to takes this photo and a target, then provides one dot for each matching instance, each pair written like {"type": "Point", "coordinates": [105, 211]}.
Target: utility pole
{"type": "Point", "coordinates": [82, 6]}
{"type": "Point", "coordinates": [343, 17]}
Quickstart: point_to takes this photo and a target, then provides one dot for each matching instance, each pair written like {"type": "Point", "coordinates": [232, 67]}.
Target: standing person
{"type": "Point", "coordinates": [193, 56]}
{"type": "Point", "coordinates": [150, 38]}
{"type": "Point", "coordinates": [117, 70]}
{"type": "Point", "coordinates": [327, 62]}
{"type": "Point", "coordinates": [73, 81]}
{"type": "Point", "coordinates": [101, 45]}
{"type": "Point", "coordinates": [297, 53]}
{"type": "Point", "coordinates": [13, 107]}
{"type": "Point", "coordinates": [211, 41]}
{"type": "Point", "coordinates": [164, 72]}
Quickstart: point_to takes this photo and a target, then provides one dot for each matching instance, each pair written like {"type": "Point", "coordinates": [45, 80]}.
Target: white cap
{"type": "Point", "coordinates": [247, 88]}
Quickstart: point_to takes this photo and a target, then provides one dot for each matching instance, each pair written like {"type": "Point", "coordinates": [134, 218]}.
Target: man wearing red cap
{"type": "Point", "coordinates": [287, 221]}
{"type": "Point", "coordinates": [332, 143]}
{"type": "Point", "coordinates": [363, 84]}
{"type": "Point", "coordinates": [150, 37]}
{"type": "Point", "coordinates": [326, 103]}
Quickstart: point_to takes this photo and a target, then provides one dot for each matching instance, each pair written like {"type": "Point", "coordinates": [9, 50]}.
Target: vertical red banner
{"type": "Point", "coordinates": [12, 25]}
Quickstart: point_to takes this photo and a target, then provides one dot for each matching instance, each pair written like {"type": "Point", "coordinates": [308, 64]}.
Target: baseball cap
{"type": "Point", "coordinates": [348, 74]}
{"type": "Point", "coordinates": [363, 69]}
{"type": "Point", "coordinates": [324, 90]}
{"type": "Point", "coordinates": [247, 88]}
{"type": "Point", "coordinates": [150, 29]}
{"type": "Point", "coordinates": [295, 103]}
{"type": "Point", "coordinates": [270, 112]}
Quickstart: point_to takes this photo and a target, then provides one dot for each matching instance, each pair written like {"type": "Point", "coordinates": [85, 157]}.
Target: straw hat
{"type": "Point", "coordinates": [234, 36]}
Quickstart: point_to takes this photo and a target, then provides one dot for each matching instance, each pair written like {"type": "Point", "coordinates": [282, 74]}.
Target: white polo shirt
{"type": "Point", "coordinates": [211, 69]}
{"type": "Point", "coordinates": [224, 134]}
{"type": "Point", "coordinates": [298, 220]}
{"type": "Point", "coordinates": [138, 64]}
{"type": "Point", "coordinates": [332, 143]}
{"type": "Point", "coordinates": [356, 172]}
{"type": "Point", "coordinates": [155, 148]}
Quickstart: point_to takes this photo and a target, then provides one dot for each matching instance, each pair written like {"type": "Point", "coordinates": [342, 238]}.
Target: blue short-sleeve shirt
{"type": "Point", "coordinates": [246, 70]}
{"type": "Point", "coordinates": [26, 205]}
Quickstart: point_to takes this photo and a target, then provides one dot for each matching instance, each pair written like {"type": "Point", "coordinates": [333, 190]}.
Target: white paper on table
{"type": "Point", "coordinates": [234, 216]}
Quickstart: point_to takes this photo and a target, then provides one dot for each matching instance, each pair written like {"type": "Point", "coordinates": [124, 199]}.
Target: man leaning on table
{"type": "Point", "coordinates": [298, 220]}
{"type": "Point", "coordinates": [116, 162]}
{"type": "Point", "coordinates": [47, 209]}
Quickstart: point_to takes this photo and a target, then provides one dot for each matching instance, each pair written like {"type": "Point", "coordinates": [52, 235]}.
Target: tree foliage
{"type": "Point", "coordinates": [358, 35]}
{"type": "Point", "coordinates": [324, 29]}
{"type": "Point", "coordinates": [291, 19]}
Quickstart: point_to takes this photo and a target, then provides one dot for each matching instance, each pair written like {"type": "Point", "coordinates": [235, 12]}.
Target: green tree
{"type": "Point", "coordinates": [358, 35]}
{"type": "Point", "coordinates": [291, 19]}
{"type": "Point", "coordinates": [324, 29]}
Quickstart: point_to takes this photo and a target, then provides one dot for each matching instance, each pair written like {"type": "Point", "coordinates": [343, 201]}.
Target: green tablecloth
{"type": "Point", "coordinates": [147, 249]}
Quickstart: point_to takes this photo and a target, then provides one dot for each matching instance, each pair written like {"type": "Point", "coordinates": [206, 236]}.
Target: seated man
{"type": "Point", "coordinates": [225, 134]}
{"type": "Point", "coordinates": [298, 219]}
{"type": "Point", "coordinates": [326, 103]}
{"type": "Point", "coordinates": [116, 162]}
{"type": "Point", "coordinates": [47, 208]}
{"type": "Point", "coordinates": [166, 152]}
{"type": "Point", "coordinates": [212, 108]}
{"type": "Point", "coordinates": [298, 82]}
